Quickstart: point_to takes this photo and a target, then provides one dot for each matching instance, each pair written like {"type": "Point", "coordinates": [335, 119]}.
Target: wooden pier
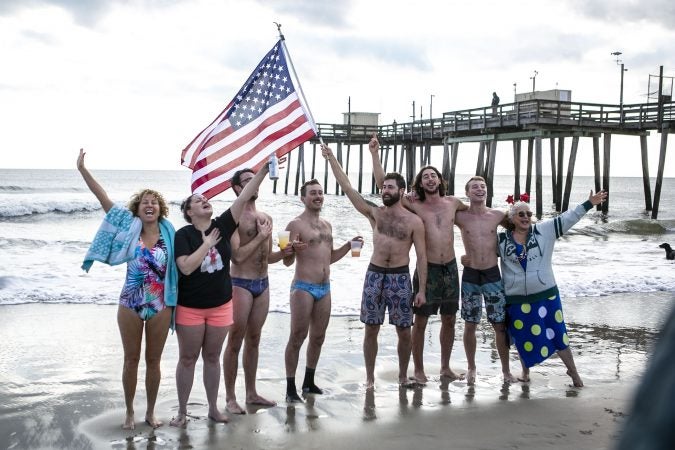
{"type": "Point", "coordinates": [529, 121]}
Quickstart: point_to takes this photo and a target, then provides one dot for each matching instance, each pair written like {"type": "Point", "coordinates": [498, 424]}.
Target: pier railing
{"type": "Point", "coordinates": [629, 118]}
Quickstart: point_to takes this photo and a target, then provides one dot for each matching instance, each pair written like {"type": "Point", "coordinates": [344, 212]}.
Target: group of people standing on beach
{"type": "Point", "coordinates": [210, 278]}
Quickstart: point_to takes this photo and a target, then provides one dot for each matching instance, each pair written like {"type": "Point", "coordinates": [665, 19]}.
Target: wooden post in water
{"type": "Point", "coordinates": [301, 163]}
{"type": "Point", "coordinates": [554, 173]}
{"type": "Point", "coordinates": [528, 176]}
{"type": "Point", "coordinates": [570, 173]}
{"type": "Point", "coordinates": [313, 162]}
{"type": "Point", "coordinates": [339, 159]}
{"type": "Point", "coordinates": [490, 170]}
{"type": "Point", "coordinates": [360, 167]}
{"type": "Point", "coordinates": [645, 172]}
{"type": "Point", "coordinates": [325, 176]}
{"type": "Point", "coordinates": [516, 167]}
{"type": "Point", "coordinates": [453, 167]}
{"type": "Point", "coordinates": [480, 164]}
{"type": "Point", "coordinates": [537, 175]}
{"type": "Point", "coordinates": [559, 178]}
{"type": "Point", "coordinates": [288, 172]}
{"type": "Point", "coordinates": [607, 141]}
{"type": "Point", "coordinates": [410, 164]}
{"type": "Point", "coordinates": [659, 173]}
{"type": "Point", "coordinates": [596, 166]}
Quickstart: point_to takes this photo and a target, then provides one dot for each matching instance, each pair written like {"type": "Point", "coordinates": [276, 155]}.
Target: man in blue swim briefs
{"type": "Point", "coordinates": [481, 280]}
{"type": "Point", "coordinates": [251, 253]}
{"type": "Point", "coordinates": [387, 284]}
{"type": "Point", "coordinates": [312, 251]}
{"type": "Point", "coordinates": [437, 210]}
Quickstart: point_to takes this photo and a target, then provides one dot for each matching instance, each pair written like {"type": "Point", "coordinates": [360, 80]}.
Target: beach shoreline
{"type": "Point", "coordinates": [61, 388]}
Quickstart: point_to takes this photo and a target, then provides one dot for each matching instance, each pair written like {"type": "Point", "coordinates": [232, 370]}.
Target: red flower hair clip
{"type": "Point", "coordinates": [524, 197]}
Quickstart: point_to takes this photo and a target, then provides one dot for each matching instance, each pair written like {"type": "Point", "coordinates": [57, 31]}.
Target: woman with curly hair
{"type": "Point", "coordinates": [140, 235]}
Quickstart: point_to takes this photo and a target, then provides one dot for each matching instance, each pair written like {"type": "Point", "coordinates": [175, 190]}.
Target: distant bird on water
{"type": "Point", "coordinates": [670, 253]}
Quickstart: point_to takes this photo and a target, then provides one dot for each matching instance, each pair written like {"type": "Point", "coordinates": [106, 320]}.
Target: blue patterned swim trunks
{"type": "Point", "coordinates": [387, 289]}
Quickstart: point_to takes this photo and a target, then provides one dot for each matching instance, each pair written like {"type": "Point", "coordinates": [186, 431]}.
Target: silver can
{"type": "Point", "coordinates": [274, 167]}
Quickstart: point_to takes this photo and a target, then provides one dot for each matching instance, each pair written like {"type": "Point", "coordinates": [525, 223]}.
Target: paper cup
{"type": "Point", "coordinates": [356, 248]}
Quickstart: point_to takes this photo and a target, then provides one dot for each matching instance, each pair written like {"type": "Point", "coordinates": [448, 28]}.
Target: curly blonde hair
{"type": "Point", "coordinates": [135, 201]}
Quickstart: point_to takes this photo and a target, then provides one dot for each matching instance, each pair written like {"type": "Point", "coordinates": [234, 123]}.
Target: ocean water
{"type": "Point", "coordinates": [48, 218]}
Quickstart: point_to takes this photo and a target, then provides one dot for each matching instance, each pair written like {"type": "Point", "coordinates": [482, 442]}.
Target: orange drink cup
{"type": "Point", "coordinates": [356, 248]}
{"type": "Point", "coordinates": [284, 236]}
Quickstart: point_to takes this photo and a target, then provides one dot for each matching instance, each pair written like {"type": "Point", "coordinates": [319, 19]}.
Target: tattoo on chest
{"type": "Point", "coordinates": [394, 230]}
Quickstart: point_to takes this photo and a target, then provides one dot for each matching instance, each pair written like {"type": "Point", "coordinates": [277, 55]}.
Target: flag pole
{"type": "Point", "coordinates": [282, 39]}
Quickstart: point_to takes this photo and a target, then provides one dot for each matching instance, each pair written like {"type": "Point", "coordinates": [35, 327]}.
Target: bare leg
{"type": "Point", "coordinates": [131, 331]}
{"type": "Point", "coordinates": [469, 339]}
{"type": "Point", "coordinates": [317, 334]}
{"type": "Point", "coordinates": [447, 340]}
{"type": "Point", "coordinates": [190, 341]}
{"type": "Point", "coordinates": [301, 310]}
{"type": "Point", "coordinates": [525, 374]}
{"type": "Point", "coordinates": [242, 304]}
{"type": "Point", "coordinates": [404, 347]}
{"type": "Point", "coordinates": [418, 347]}
{"type": "Point", "coordinates": [568, 359]}
{"type": "Point", "coordinates": [256, 320]}
{"type": "Point", "coordinates": [156, 331]}
{"type": "Point", "coordinates": [213, 345]}
{"type": "Point", "coordinates": [370, 353]}
{"type": "Point", "coordinates": [502, 343]}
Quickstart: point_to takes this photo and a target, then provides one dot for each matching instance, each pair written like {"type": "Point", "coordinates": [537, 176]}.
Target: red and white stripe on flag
{"type": "Point", "coordinates": [268, 115]}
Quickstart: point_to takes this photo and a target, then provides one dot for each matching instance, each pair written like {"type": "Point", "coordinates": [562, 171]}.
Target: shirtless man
{"type": "Point", "coordinates": [387, 283]}
{"type": "Point", "coordinates": [251, 252]}
{"type": "Point", "coordinates": [437, 211]}
{"type": "Point", "coordinates": [481, 278]}
{"type": "Point", "coordinates": [313, 252]}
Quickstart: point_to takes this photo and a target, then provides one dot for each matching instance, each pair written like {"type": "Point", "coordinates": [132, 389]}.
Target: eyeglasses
{"type": "Point", "coordinates": [524, 213]}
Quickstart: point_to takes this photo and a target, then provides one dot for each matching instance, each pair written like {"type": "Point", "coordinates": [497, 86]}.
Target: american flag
{"type": "Point", "coordinates": [268, 115]}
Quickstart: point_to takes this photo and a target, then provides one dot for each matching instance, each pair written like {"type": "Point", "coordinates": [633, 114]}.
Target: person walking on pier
{"type": "Point", "coordinates": [387, 284]}
{"type": "Point", "coordinates": [495, 103]}
{"type": "Point", "coordinates": [481, 280]}
{"type": "Point", "coordinates": [313, 253]}
{"type": "Point", "coordinates": [437, 211]}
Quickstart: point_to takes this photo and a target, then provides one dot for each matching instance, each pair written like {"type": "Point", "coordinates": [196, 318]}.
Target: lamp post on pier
{"type": "Point", "coordinates": [620, 63]}
{"type": "Point", "coordinates": [431, 117]}
{"type": "Point", "coordinates": [534, 79]}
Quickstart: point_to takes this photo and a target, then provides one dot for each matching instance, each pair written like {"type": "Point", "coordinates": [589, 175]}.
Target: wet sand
{"type": "Point", "coordinates": [60, 387]}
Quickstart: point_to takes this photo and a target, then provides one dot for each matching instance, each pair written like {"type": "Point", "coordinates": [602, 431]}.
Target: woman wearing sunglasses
{"type": "Point", "coordinates": [534, 311]}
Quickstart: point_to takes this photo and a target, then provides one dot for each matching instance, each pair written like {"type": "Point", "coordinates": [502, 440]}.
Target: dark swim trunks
{"type": "Point", "coordinates": [387, 288]}
{"type": "Point", "coordinates": [255, 287]}
{"type": "Point", "coordinates": [483, 284]}
{"type": "Point", "coordinates": [442, 289]}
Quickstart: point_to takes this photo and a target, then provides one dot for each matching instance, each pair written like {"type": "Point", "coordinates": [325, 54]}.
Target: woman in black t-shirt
{"type": "Point", "coordinates": [204, 311]}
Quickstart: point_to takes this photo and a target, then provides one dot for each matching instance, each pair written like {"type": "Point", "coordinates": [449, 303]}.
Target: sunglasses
{"type": "Point", "coordinates": [524, 213]}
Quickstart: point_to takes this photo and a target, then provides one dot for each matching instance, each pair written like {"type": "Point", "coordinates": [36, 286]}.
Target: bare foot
{"type": "Point", "coordinates": [370, 384]}
{"type": "Point", "coordinates": [407, 382]}
{"type": "Point", "coordinates": [180, 421]}
{"type": "Point", "coordinates": [153, 422]}
{"type": "Point", "coordinates": [258, 400]}
{"type": "Point", "coordinates": [233, 407]}
{"type": "Point", "coordinates": [129, 423]}
{"type": "Point", "coordinates": [448, 373]}
{"type": "Point", "coordinates": [420, 377]}
{"type": "Point", "coordinates": [508, 378]}
{"type": "Point", "coordinates": [576, 379]}
{"type": "Point", "coordinates": [524, 376]}
{"type": "Point", "coordinates": [471, 377]}
{"type": "Point", "coordinates": [217, 416]}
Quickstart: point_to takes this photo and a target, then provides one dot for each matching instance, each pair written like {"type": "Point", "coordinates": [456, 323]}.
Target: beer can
{"type": "Point", "coordinates": [274, 167]}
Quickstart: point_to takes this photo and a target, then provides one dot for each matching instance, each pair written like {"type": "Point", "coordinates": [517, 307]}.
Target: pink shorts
{"type": "Point", "coordinates": [220, 316]}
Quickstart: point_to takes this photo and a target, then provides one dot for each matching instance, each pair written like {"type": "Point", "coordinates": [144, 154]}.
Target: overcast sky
{"type": "Point", "coordinates": [133, 81]}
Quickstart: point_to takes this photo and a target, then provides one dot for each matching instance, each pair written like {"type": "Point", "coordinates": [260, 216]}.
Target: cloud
{"type": "Point", "coordinates": [657, 11]}
{"type": "Point", "coordinates": [85, 13]}
{"type": "Point", "coordinates": [332, 13]}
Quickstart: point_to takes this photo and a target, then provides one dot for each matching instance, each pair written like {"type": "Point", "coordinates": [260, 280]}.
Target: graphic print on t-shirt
{"type": "Point", "coordinates": [212, 261]}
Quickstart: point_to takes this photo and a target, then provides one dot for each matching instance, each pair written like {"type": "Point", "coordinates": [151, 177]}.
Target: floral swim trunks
{"type": "Point", "coordinates": [387, 288]}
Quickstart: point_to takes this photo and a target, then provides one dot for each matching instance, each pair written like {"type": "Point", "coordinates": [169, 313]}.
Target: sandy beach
{"type": "Point", "coordinates": [60, 387]}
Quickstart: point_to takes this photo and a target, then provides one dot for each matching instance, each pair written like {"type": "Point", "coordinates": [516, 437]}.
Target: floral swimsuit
{"type": "Point", "coordinates": [143, 289]}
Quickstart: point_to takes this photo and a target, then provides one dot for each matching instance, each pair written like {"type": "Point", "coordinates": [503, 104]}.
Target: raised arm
{"type": "Point", "coordinates": [248, 191]}
{"type": "Point", "coordinates": [92, 184]}
{"type": "Point", "coordinates": [378, 170]}
{"type": "Point", "coordinates": [341, 177]}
